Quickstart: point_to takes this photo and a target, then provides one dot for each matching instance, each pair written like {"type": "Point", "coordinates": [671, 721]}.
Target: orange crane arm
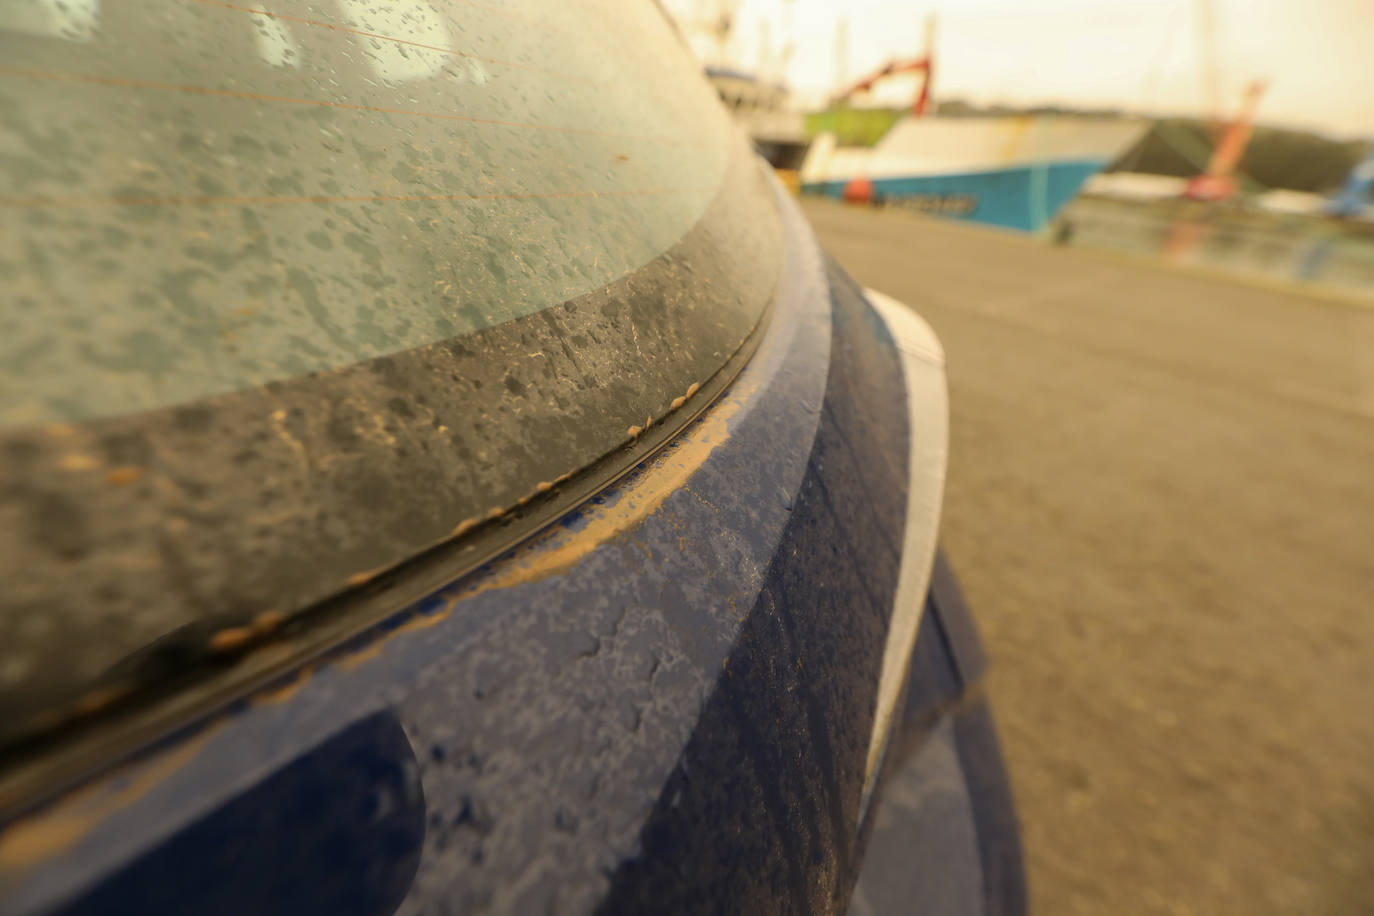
{"type": "Point", "coordinates": [1236, 137]}
{"type": "Point", "coordinates": [1218, 181]}
{"type": "Point", "coordinates": [923, 65]}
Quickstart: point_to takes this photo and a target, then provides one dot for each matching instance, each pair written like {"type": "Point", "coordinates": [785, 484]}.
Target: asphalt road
{"type": "Point", "coordinates": [1161, 504]}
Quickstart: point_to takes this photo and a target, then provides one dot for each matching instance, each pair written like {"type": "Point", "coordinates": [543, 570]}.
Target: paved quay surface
{"type": "Point", "coordinates": [1161, 505]}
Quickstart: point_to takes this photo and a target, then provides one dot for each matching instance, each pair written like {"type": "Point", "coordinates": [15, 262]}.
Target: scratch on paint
{"type": "Point", "coordinates": [663, 476]}
{"type": "Point", "coordinates": [425, 621]}
{"type": "Point", "coordinates": [701, 499]}
{"type": "Point", "coordinates": [273, 696]}
{"type": "Point", "coordinates": [418, 622]}
{"type": "Point", "coordinates": [363, 655]}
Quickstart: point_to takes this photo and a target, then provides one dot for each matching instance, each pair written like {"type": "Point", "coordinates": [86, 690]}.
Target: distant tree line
{"type": "Point", "coordinates": [1275, 158]}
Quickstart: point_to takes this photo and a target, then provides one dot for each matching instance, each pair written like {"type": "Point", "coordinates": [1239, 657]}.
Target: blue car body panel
{"type": "Point", "coordinates": [952, 830]}
{"type": "Point", "coordinates": [662, 704]}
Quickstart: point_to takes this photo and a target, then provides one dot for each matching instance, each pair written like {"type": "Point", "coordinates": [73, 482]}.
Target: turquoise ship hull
{"type": "Point", "coordinates": [1024, 198]}
{"type": "Point", "coordinates": [1012, 171]}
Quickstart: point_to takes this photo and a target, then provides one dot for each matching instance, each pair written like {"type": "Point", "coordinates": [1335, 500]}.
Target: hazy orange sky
{"type": "Point", "coordinates": [1143, 55]}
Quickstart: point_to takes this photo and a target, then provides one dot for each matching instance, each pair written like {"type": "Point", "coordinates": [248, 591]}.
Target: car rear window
{"type": "Point", "coordinates": [295, 290]}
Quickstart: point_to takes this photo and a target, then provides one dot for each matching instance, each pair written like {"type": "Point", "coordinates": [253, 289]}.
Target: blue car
{"type": "Point", "coordinates": [443, 474]}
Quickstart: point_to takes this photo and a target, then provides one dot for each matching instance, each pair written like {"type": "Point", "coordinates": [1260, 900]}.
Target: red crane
{"type": "Point", "coordinates": [1218, 182]}
{"type": "Point", "coordinates": [860, 190]}
{"type": "Point", "coordinates": [923, 65]}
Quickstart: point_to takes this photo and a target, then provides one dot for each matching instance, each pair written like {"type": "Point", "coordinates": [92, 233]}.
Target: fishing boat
{"type": "Point", "coordinates": [1014, 171]}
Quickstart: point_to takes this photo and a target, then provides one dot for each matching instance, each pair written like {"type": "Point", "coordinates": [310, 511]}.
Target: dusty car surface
{"type": "Point", "coordinates": [443, 474]}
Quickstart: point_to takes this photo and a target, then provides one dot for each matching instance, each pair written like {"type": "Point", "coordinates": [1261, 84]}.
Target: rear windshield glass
{"type": "Point", "coordinates": [203, 196]}
{"type": "Point", "coordinates": [290, 291]}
